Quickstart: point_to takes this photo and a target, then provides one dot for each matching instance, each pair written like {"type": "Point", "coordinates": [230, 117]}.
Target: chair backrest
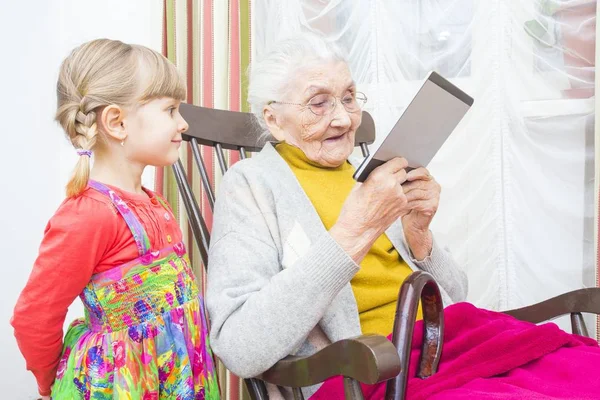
{"type": "Point", "coordinates": [228, 130]}
{"type": "Point", "coordinates": [234, 131]}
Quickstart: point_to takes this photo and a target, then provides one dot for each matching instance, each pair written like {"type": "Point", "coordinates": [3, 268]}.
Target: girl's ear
{"type": "Point", "coordinates": [111, 122]}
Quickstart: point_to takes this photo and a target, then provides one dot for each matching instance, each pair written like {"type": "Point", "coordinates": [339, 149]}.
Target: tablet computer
{"type": "Point", "coordinates": [423, 127]}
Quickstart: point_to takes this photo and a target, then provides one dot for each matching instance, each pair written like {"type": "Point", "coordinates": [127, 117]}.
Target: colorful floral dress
{"type": "Point", "coordinates": [144, 335]}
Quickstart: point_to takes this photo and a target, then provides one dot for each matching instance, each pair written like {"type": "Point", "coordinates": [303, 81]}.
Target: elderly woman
{"type": "Point", "coordinates": [301, 255]}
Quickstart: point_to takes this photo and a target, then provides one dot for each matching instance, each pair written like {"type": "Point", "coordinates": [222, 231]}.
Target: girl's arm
{"type": "Point", "coordinates": [74, 242]}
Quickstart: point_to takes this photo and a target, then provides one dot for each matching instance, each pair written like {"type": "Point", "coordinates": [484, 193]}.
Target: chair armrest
{"type": "Point", "coordinates": [574, 303]}
{"type": "Point", "coordinates": [418, 286]}
{"type": "Point", "coordinates": [368, 359]}
{"type": "Point", "coordinates": [577, 301]}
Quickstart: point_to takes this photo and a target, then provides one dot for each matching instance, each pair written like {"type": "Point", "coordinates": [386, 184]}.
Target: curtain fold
{"type": "Point", "coordinates": [517, 206]}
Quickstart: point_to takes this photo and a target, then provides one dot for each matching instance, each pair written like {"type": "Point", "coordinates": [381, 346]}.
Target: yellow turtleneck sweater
{"type": "Point", "coordinates": [382, 270]}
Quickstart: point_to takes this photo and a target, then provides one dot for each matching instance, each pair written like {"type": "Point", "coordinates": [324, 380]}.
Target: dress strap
{"type": "Point", "coordinates": [164, 204]}
{"type": "Point", "coordinates": [134, 224]}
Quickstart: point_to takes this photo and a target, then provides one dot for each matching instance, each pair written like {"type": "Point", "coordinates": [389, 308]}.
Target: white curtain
{"type": "Point", "coordinates": [518, 173]}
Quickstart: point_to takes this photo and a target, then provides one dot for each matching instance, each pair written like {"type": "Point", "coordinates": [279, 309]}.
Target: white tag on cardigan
{"type": "Point", "coordinates": [296, 244]}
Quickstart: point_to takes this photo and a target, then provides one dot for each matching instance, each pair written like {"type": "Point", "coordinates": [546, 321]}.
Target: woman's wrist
{"type": "Point", "coordinates": [355, 244]}
{"type": "Point", "coordinates": [419, 242]}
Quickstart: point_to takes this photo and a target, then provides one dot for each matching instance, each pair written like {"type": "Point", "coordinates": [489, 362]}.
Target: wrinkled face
{"type": "Point", "coordinates": [154, 132]}
{"type": "Point", "coordinates": [327, 140]}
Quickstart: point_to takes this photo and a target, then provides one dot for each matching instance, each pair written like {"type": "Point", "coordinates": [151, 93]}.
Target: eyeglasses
{"type": "Point", "coordinates": [324, 104]}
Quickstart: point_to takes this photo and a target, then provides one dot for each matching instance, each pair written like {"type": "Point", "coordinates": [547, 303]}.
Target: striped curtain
{"type": "Point", "coordinates": [209, 41]}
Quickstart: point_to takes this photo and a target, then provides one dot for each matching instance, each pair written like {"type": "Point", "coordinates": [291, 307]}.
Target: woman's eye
{"type": "Point", "coordinates": [319, 100]}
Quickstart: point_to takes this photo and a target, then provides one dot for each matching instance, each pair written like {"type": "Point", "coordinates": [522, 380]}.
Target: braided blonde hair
{"type": "Point", "coordinates": [101, 73]}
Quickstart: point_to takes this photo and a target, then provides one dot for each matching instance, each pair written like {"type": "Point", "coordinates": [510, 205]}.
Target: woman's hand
{"type": "Point", "coordinates": [371, 208]}
{"type": "Point", "coordinates": [423, 195]}
{"type": "Point", "coordinates": [45, 398]}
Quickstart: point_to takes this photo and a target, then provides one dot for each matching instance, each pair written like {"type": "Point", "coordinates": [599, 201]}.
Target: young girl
{"type": "Point", "coordinates": [116, 244]}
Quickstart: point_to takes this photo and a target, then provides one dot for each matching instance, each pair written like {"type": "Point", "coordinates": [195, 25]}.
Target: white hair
{"type": "Point", "coordinates": [271, 77]}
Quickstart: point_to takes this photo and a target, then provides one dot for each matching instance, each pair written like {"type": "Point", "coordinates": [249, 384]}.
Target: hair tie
{"type": "Point", "coordinates": [84, 152]}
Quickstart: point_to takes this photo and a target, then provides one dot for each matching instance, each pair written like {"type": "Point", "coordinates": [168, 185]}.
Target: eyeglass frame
{"type": "Point", "coordinates": [336, 98]}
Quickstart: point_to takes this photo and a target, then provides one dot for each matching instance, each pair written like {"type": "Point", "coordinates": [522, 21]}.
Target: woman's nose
{"type": "Point", "coordinates": [340, 117]}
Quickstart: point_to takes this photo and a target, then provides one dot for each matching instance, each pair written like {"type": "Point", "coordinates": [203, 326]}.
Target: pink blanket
{"type": "Point", "coordinates": [488, 355]}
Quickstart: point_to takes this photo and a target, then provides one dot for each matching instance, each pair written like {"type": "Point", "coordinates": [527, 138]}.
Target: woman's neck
{"type": "Point", "coordinates": [296, 158]}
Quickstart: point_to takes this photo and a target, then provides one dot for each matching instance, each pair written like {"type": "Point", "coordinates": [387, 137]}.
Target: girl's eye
{"type": "Point", "coordinates": [171, 110]}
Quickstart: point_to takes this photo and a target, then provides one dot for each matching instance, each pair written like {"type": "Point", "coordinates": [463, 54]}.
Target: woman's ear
{"type": "Point", "coordinates": [273, 123]}
{"type": "Point", "coordinates": [111, 122]}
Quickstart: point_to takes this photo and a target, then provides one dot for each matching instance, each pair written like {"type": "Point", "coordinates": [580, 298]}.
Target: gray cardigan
{"type": "Point", "coordinates": [278, 284]}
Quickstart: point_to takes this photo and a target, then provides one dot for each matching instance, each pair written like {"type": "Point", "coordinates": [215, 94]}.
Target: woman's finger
{"type": "Point", "coordinates": [386, 173]}
{"type": "Point", "coordinates": [400, 176]}
{"type": "Point", "coordinates": [419, 174]}
{"type": "Point", "coordinates": [416, 185]}
{"type": "Point", "coordinates": [418, 194]}
{"type": "Point", "coordinates": [427, 207]}
{"type": "Point", "coordinates": [396, 164]}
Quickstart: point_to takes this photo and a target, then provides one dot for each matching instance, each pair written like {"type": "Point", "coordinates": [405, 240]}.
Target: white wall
{"type": "Point", "coordinates": [35, 159]}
